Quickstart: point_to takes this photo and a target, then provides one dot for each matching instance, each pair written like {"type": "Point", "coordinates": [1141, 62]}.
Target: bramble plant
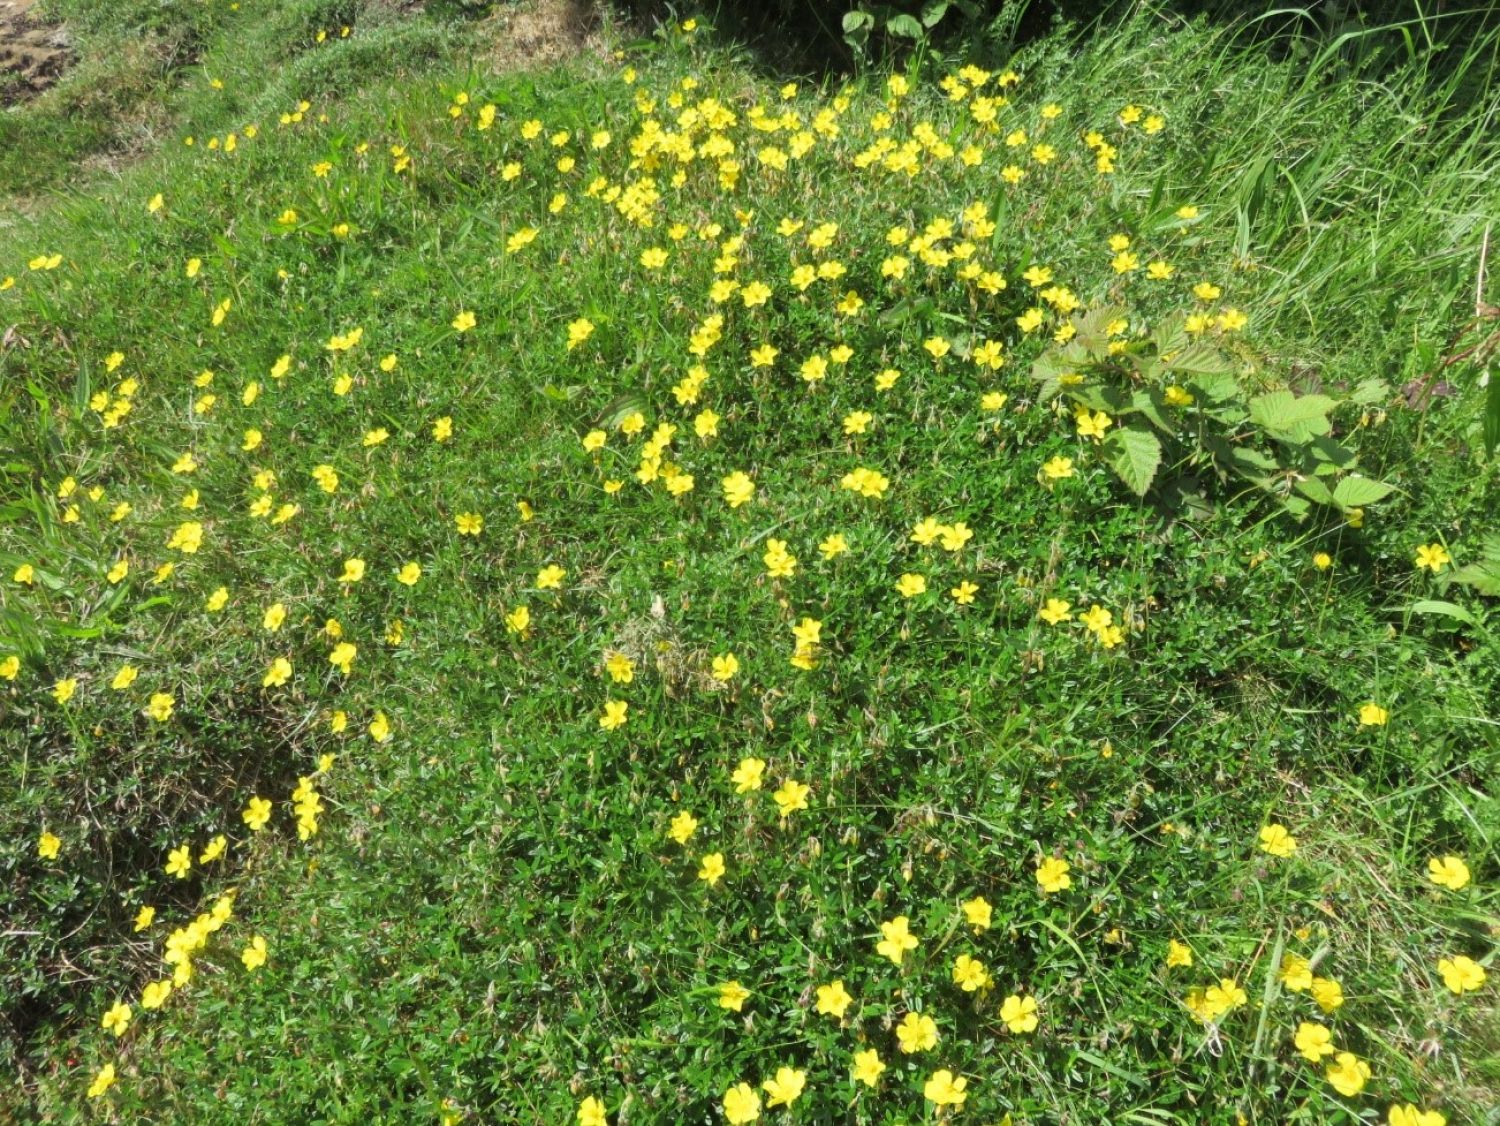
{"type": "Point", "coordinates": [1178, 398]}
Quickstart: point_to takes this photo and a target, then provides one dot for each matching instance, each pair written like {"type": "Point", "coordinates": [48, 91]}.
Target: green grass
{"type": "Point", "coordinates": [492, 922]}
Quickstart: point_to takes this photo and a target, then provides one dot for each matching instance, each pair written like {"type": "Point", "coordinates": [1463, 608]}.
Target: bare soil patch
{"type": "Point", "coordinates": [540, 33]}
{"type": "Point", "coordinates": [33, 53]}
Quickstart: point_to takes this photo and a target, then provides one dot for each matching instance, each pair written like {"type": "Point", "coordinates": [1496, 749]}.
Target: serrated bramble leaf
{"type": "Point", "coordinates": [1135, 455]}
{"type": "Point", "coordinates": [1298, 417]}
{"type": "Point", "coordinates": [1354, 492]}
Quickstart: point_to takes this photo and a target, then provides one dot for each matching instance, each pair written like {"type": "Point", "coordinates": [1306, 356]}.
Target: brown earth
{"type": "Point", "coordinates": [32, 53]}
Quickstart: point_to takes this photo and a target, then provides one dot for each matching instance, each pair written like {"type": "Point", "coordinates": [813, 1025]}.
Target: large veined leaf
{"type": "Point", "coordinates": [1315, 490]}
{"type": "Point", "coordinates": [1353, 492]}
{"type": "Point", "coordinates": [1297, 417]}
{"type": "Point", "coordinates": [933, 11]}
{"type": "Point", "coordinates": [905, 26]}
{"type": "Point", "coordinates": [1198, 359]}
{"type": "Point", "coordinates": [1134, 455]}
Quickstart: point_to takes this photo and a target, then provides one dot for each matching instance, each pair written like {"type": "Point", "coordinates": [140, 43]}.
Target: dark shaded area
{"type": "Point", "coordinates": [794, 37]}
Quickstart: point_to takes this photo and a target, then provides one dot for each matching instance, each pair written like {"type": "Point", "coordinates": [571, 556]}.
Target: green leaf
{"type": "Point", "coordinates": [1314, 490]}
{"type": "Point", "coordinates": [1492, 414]}
{"type": "Point", "coordinates": [857, 20]}
{"type": "Point", "coordinates": [1441, 609]}
{"type": "Point", "coordinates": [1134, 455]}
{"type": "Point", "coordinates": [1092, 325]}
{"type": "Point", "coordinates": [1297, 417]}
{"type": "Point", "coordinates": [905, 26]}
{"type": "Point", "coordinates": [1368, 392]}
{"type": "Point", "coordinates": [933, 11]}
{"type": "Point", "coordinates": [1218, 386]}
{"type": "Point", "coordinates": [1354, 492]}
{"type": "Point", "coordinates": [1198, 359]}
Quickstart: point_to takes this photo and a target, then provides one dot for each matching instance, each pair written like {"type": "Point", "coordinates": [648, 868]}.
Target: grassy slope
{"type": "Point", "coordinates": [492, 912]}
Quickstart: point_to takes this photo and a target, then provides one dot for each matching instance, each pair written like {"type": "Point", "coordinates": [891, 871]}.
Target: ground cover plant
{"type": "Point", "coordinates": [651, 593]}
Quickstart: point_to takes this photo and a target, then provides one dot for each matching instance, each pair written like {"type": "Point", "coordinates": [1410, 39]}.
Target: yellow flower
{"type": "Point", "coordinates": [896, 939]}
{"type": "Point", "coordinates": [1056, 611]}
{"type": "Point", "coordinates": [160, 706]}
{"type": "Point", "coordinates": [155, 995]}
{"type": "Point", "coordinates": [738, 489]}
{"type": "Point", "coordinates": [1461, 974]}
{"type": "Point", "coordinates": [63, 690]}
{"type": "Point", "coordinates": [910, 585]}
{"type": "Point", "coordinates": [464, 321]}
{"type": "Point", "coordinates": [590, 1111]}
{"type": "Point", "coordinates": [747, 776]}
{"type": "Point", "coordinates": [518, 620]}
{"type": "Point", "coordinates": [579, 331]}
{"type": "Point", "coordinates": [380, 727]}
{"type": "Point", "coordinates": [784, 1088]}
{"type": "Point", "coordinates": [944, 1089]}
{"type": "Point", "coordinates": [1347, 1074]}
{"type": "Point", "coordinates": [117, 1019]}
{"type": "Point", "coordinates": [144, 918]}
{"type": "Point", "coordinates": [257, 813]}
{"type": "Point", "coordinates": [409, 574]}
{"type": "Point", "coordinates": [180, 862]}
{"type": "Point", "coordinates": [342, 656]}
{"type": "Point", "coordinates": [1052, 874]}
{"type": "Point", "coordinates": [1055, 469]}
{"type": "Point", "coordinates": [711, 868]}
{"type": "Point", "coordinates": [917, 1032]}
{"type": "Point", "coordinates": [1178, 954]}
{"type": "Point", "coordinates": [614, 714]}
{"type": "Point", "coordinates": [214, 850]}
{"type": "Point", "coordinates": [1295, 973]}
{"type": "Point", "coordinates": [1411, 1115]}
{"type": "Point", "coordinates": [1019, 1014]}
{"type": "Point", "coordinates": [254, 954]}
{"type": "Point", "coordinates": [1432, 556]}
{"type": "Point", "coordinates": [1372, 715]}
{"type": "Point", "coordinates": [683, 826]}
{"type": "Point", "coordinates": [103, 1081]}
{"type": "Point", "coordinates": [1224, 996]}
{"type": "Point", "coordinates": [550, 577]}
{"type": "Point", "coordinates": [724, 667]}
{"type": "Point", "coordinates": [969, 974]}
{"type": "Point", "coordinates": [733, 995]}
{"type": "Point", "coordinates": [791, 797]}
{"type": "Point", "coordinates": [1313, 1041]}
{"type": "Point", "coordinates": [978, 913]}
{"type": "Point", "coordinates": [964, 593]}
{"type": "Point", "coordinates": [867, 1067]}
{"type": "Point", "coordinates": [834, 546]}
{"type": "Point", "coordinates": [741, 1104]}
{"type": "Point", "coordinates": [1274, 839]}
{"type": "Point", "coordinates": [278, 674]}
{"type": "Point", "coordinates": [1328, 993]}
{"type": "Point", "coordinates": [354, 571]}
{"type": "Point", "coordinates": [833, 1000]}
{"type": "Point", "coordinates": [1449, 872]}
{"type": "Point", "coordinates": [48, 846]}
